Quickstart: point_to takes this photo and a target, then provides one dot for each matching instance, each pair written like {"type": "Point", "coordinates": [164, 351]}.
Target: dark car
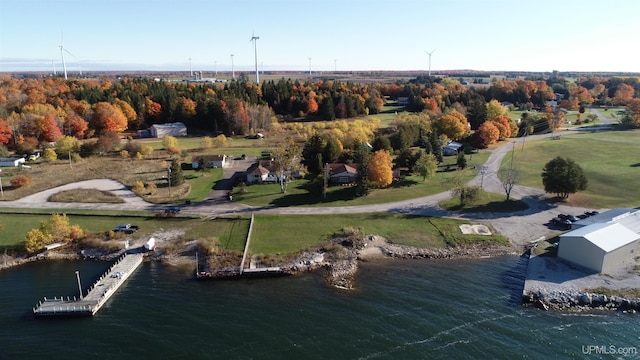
{"type": "Point", "coordinates": [591, 213]}
{"type": "Point", "coordinates": [172, 210]}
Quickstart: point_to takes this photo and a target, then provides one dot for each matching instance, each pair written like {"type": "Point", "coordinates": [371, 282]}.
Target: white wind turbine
{"type": "Point", "coordinates": [62, 50]}
{"type": "Point", "coordinates": [255, 38]}
{"type": "Point", "coordinates": [430, 53]}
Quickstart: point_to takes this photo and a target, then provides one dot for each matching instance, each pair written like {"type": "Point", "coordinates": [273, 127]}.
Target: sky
{"type": "Point", "coordinates": [302, 35]}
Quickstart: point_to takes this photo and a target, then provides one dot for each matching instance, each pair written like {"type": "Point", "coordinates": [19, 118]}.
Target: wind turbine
{"type": "Point", "coordinates": [430, 53]}
{"type": "Point", "coordinates": [255, 38]}
{"type": "Point", "coordinates": [190, 70]}
{"type": "Point", "coordinates": [62, 51]}
{"type": "Point", "coordinates": [233, 73]}
{"type": "Point", "coordinates": [309, 66]}
{"type": "Point", "coordinates": [54, 67]}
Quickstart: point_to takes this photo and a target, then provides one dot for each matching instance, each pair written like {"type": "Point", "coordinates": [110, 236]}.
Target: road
{"type": "Point", "coordinates": [521, 227]}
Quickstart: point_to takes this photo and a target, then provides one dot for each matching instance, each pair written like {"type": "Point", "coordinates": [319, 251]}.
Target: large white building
{"type": "Point", "coordinates": [601, 247]}
{"type": "Point", "coordinates": [169, 129]}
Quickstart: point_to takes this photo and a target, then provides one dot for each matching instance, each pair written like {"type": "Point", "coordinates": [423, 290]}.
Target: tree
{"type": "Point", "coordinates": [426, 166]}
{"type": "Point", "coordinates": [312, 154]}
{"type": "Point", "coordinates": [5, 132]}
{"type": "Point", "coordinates": [108, 118]}
{"type": "Point", "coordinates": [461, 161]}
{"type": "Point", "coordinates": [67, 144]}
{"type": "Point", "coordinates": [287, 157]}
{"type": "Point", "coordinates": [494, 109]}
{"type": "Point", "coordinates": [56, 229]}
{"type": "Point", "coordinates": [453, 124]}
{"type": "Point", "coordinates": [563, 177]}
{"type": "Point", "coordinates": [487, 134]}
{"type": "Point", "coordinates": [380, 172]}
{"type": "Point", "coordinates": [177, 176]}
{"type": "Point", "coordinates": [50, 129]}
{"type": "Point", "coordinates": [332, 150]}
{"type": "Point", "coordinates": [206, 142]}
{"type": "Point", "coordinates": [49, 155]}
{"type": "Point", "coordinates": [509, 178]}
{"type": "Point", "coordinates": [361, 158]}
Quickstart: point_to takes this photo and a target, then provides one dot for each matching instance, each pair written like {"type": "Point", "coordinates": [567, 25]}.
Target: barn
{"type": "Point", "coordinates": [169, 129]}
{"type": "Point", "coordinates": [601, 247]}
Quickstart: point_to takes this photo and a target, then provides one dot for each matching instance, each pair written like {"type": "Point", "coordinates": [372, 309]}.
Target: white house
{"type": "Point", "coordinates": [261, 172]}
{"type": "Point", "coordinates": [11, 161]}
{"type": "Point", "coordinates": [170, 129]}
{"type": "Point", "coordinates": [601, 247]}
{"type": "Point", "coordinates": [214, 161]}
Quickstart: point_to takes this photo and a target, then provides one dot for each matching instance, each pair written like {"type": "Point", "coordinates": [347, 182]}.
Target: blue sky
{"type": "Point", "coordinates": [520, 35]}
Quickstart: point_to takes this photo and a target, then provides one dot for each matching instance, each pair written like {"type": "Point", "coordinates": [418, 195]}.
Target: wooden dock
{"type": "Point", "coordinates": [98, 293]}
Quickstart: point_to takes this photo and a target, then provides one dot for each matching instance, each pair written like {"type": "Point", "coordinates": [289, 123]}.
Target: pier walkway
{"type": "Point", "coordinates": [98, 293]}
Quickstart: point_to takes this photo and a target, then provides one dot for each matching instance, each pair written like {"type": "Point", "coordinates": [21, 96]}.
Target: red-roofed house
{"type": "Point", "coordinates": [342, 174]}
{"type": "Point", "coordinates": [262, 172]}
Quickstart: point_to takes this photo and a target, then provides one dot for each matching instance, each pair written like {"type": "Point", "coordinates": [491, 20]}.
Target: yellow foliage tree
{"type": "Point", "coordinates": [495, 109]}
{"type": "Point", "coordinates": [56, 229]}
{"type": "Point", "coordinates": [169, 141]}
{"type": "Point", "coordinates": [49, 155]}
{"type": "Point", "coordinates": [220, 141]}
{"type": "Point", "coordinates": [380, 172]}
{"type": "Point", "coordinates": [206, 142]}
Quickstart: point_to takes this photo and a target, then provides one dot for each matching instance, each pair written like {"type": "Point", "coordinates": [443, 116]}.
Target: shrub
{"type": "Point", "coordinates": [19, 181]}
{"type": "Point", "coordinates": [139, 156]}
{"type": "Point", "coordinates": [124, 154]}
{"type": "Point", "coordinates": [146, 150]}
{"type": "Point", "coordinates": [174, 150]}
{"type": "Point", "coordinates": [138, 187]}
{"type": "Point", "coordinates": [49, 155]}
{"type": "Point", "coordinates": [152, 188]}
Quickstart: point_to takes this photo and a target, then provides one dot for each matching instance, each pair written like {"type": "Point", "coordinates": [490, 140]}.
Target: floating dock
{"type": "Point", "coordinates": [98, 293]}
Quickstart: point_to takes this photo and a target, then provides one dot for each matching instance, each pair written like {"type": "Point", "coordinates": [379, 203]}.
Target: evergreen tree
{"type": "Point", "coordinates": [435, 146]}
{"type": "Point", "coordinates": [462, 160]}
{"type": "Point", "coordinates": [332, 151]}
{"type": "Point", "coordinates": [177, 176]}
{"type": "Point", "coordinates": [362, 156]}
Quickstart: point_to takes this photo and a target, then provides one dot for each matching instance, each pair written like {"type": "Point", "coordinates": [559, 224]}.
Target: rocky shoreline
{"type": "Point", "coordinates": [579, 301]}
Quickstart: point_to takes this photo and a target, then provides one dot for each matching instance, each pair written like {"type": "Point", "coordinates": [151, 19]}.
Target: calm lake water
{"type": "Point", "coordinates": [402, 309]}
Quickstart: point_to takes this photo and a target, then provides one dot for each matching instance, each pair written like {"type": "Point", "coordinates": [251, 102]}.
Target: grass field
{"type": "Point", "coordinates": [272, 234]}
{"type": "Point", "coordinates": [231, 233]}
{"type": "Point", "coordinates": [282, 235]}
{"type": "Point", "coordinates": [609, 159]}
{"type": "Point", "coordinates": [488, 202]}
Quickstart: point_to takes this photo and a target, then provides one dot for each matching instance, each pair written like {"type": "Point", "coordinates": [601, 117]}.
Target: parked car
{"type": "Point", "coordinates": [126, 228]}
{"type": "Point", "coordinates": [568, 217]}
{"type": "Point", "coordinates": [591, 213]}
{"type": "Point", "coordinates": [564, 224]}
{"type": "Point", "coordinates": [172, 210]}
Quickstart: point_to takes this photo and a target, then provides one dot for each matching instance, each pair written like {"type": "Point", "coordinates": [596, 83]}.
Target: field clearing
{"type": "Point", "coordinates": [230, 232]}
{"type": "Point", "coordinates": [284, 235]}
{"type": "Point", "coordinates": [609, 160]}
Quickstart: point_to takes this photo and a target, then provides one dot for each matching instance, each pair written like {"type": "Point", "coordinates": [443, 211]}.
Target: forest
{"type": "Point", "coordinates": [37, 111]}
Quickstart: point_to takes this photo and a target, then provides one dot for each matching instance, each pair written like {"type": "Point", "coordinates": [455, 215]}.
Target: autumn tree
{"type": "Point", "coordinates": [332, 150]}
{"type": "Point", "coordinates": [495, 109]}
{"type": "Point", "coordinates": [206, 142]}
{"type": "Point", "coordinates": [108, 118]}
{"type": "Point", "coordinates": [380, 168]}
{"type": "Point", "coordinates": [67, 145]}
{"type": "Point", "coordinates": [633, 111]}
{"type": "Point", "coordinates": [5, 132]}
{"type": "Point", "coordinates": [624, 94]}
{"type": "Point", "coordinates": [50, 130]}
{"type": "Point", "coordinates": [75, 126]}
{"type": "Point", "coordinates": [487, 134]}
{"type": "Point", "coordinates": [56, 229]}
{"type": "Point", "coordinates": [452, 124]}
{"type": "Point", "coordinates": [49, 155]}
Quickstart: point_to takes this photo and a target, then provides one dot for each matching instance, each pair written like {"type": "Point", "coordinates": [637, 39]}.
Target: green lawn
{"type": "Point", "coordinates": [488, 202]}
{"type": "Point", "coordinates": [609, 160]}
{"type": "Point", "coordinates": [231, 232]}
{"type": "Point", "coordinates": [201, 183]}
{"type": "Point", "coordinates": [282, 235]}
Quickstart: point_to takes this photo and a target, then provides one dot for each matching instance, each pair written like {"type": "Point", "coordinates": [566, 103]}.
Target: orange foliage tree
{"type": "Point", "coordinates": [50, 129]}
{"type": "Point", "coordinates": [503, 124]}
{"type": "Point", "coordinates": [453, 124]}
{"type": "Point", "coordinates": [380, 172]}
{"type": "Point", "coordinates": [488, 133]}
{"type": "Point", "coordinates": [5, 132]}
{"type": "Point", "coordinates": [108, 118]}
{"type": "Point", "coordinates": [623, 94]}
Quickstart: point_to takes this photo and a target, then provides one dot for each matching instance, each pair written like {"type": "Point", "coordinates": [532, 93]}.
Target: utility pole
{"type": "Point", "coordinates": [326, 175]}
{"type": "Point", "coordinates": [233, 73]}
{"type": "Point", "coordinates": [483, 170]}
{"type": "Point", "coordinates": [79, 286]}
{"type": "Point", "coordinates": [169, 178]}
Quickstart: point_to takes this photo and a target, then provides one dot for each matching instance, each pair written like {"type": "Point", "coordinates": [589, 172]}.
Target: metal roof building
{"type": "Point", "coordinates": [601, 247]}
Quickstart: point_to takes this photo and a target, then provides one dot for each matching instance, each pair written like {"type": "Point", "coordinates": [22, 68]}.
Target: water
{"type": "Point", "coordinates": [402, 309]}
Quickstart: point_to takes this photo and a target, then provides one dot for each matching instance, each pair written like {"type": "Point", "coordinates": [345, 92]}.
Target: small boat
{"type": "Point", "coordinates": [150, 245]}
